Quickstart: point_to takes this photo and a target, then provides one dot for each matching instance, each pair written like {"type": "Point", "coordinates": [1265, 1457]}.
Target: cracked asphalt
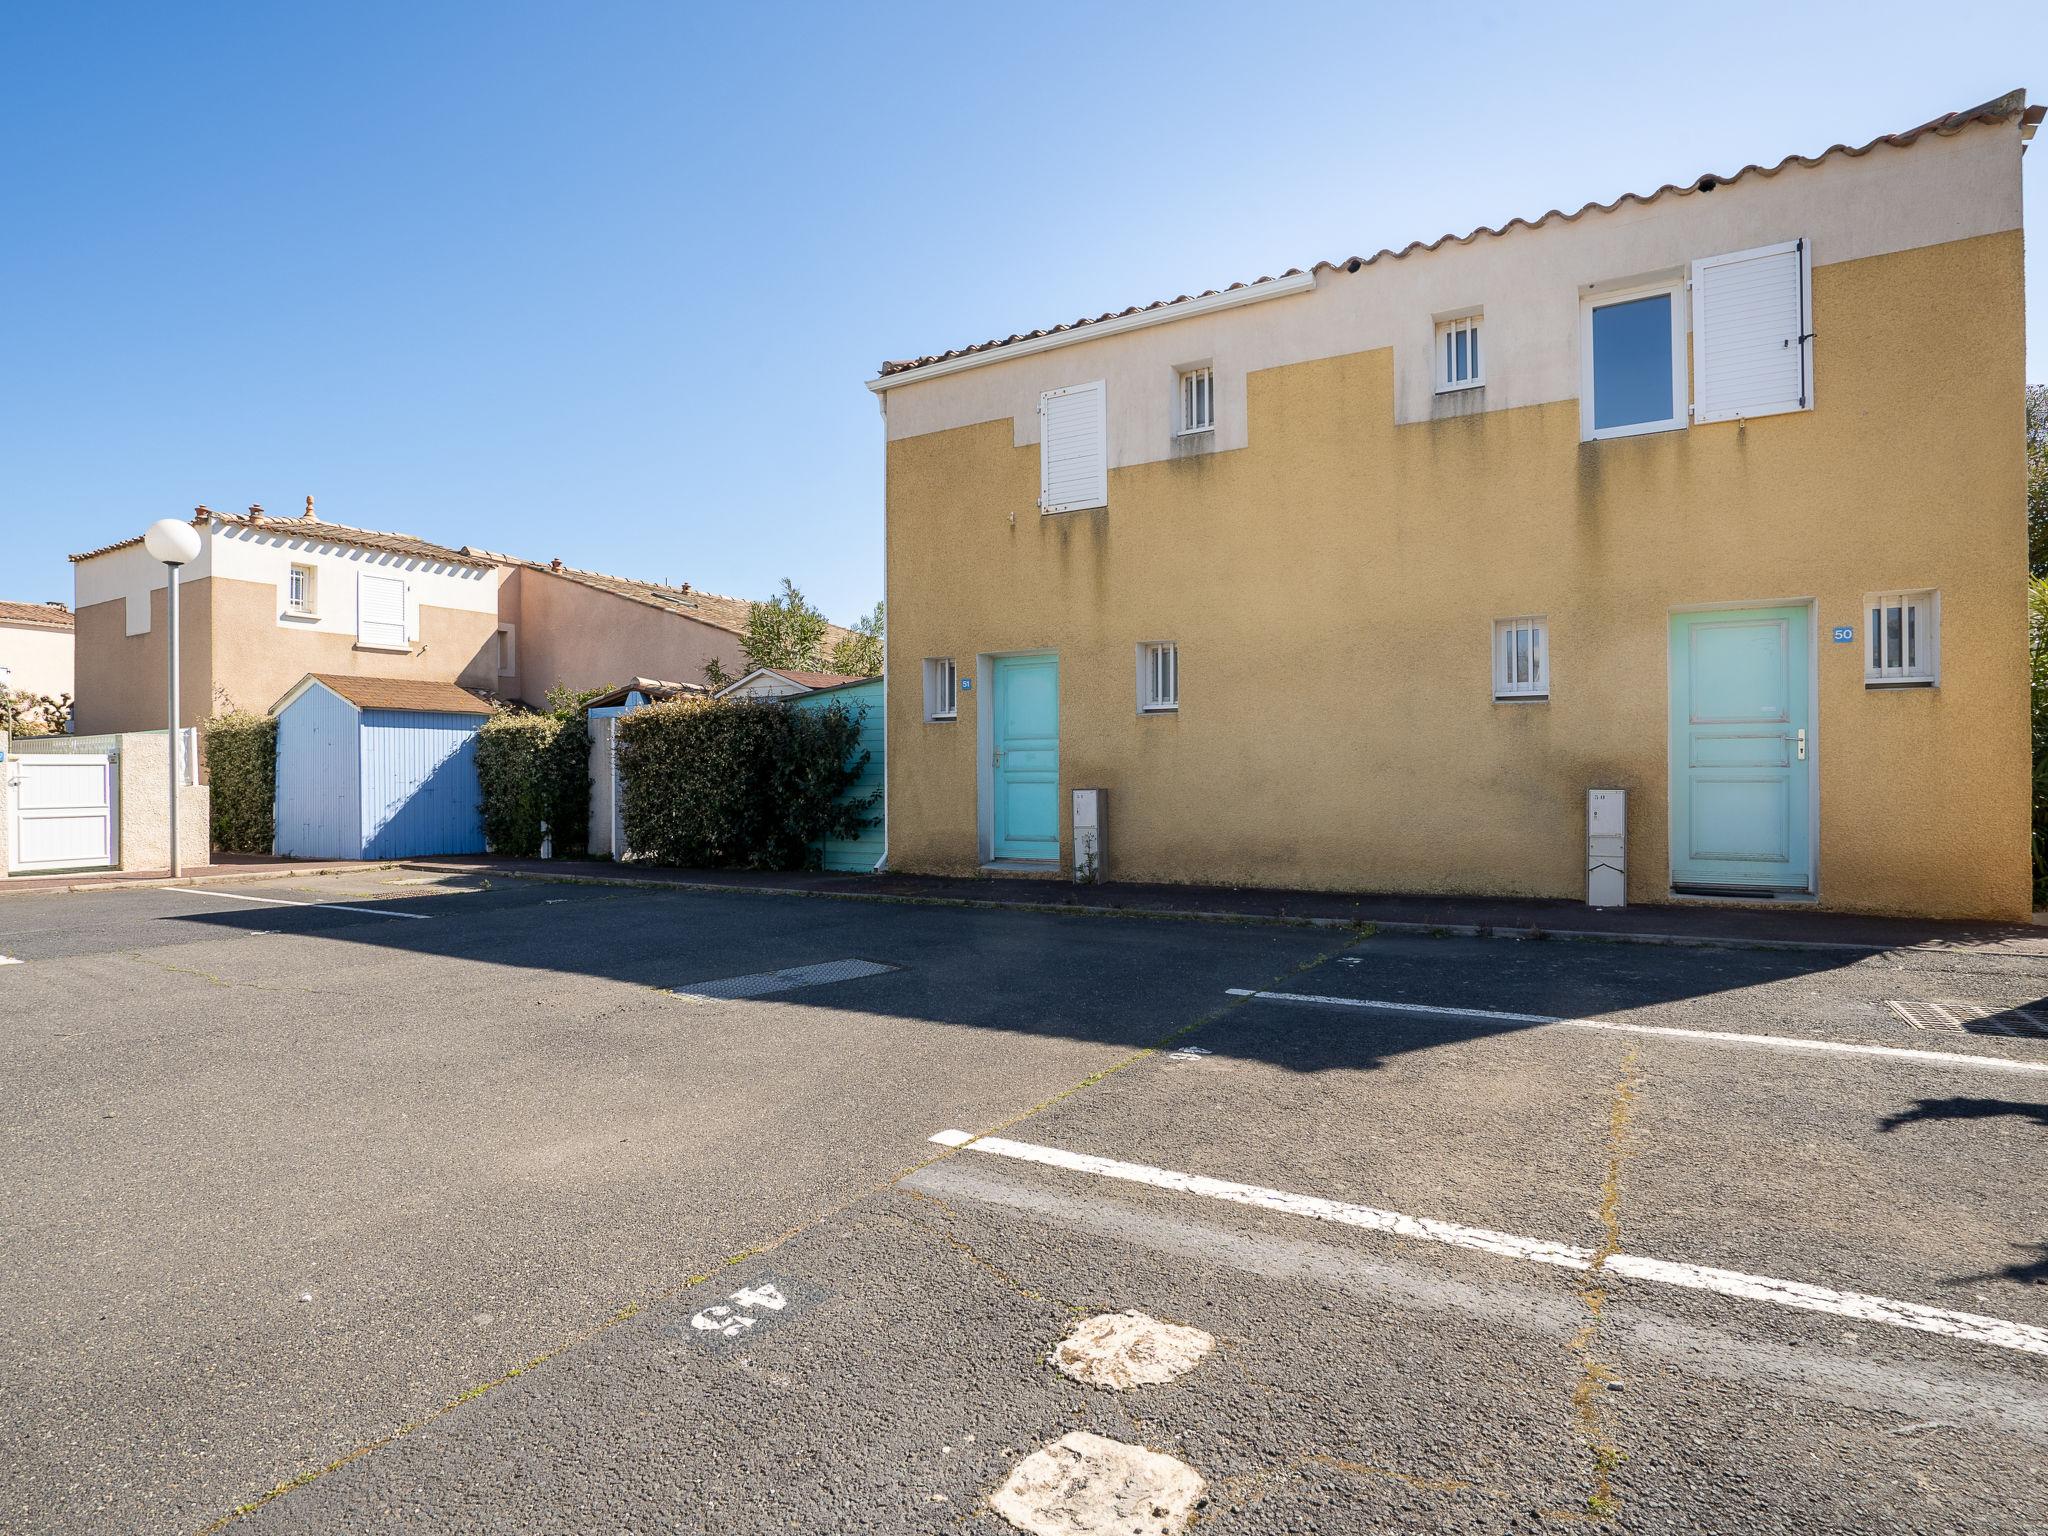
{"type": "Point", "coordinates": [323, 1221]}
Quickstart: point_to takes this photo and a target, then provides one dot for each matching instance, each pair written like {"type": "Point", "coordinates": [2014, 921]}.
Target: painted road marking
{"type": "Point", "coordinates": [8, 960]}
{"type": "Point", "coordinates": [1721, 1036]}
{"type": "Point", "coordinates": [1967, 1326]}
{"type": "Point", "coordinates": [761, 983]}
{"type": "Point", "coordinates": [1966, 1016]}
{"type": "Point", "coordinates": [330, 906]}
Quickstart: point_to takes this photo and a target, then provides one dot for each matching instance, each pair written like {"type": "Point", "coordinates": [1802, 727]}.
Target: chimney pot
{"type": "Point", "coordinates": [255, 509]}
{"type": "Point", "coordinates": [554, 565]}
{"type": "Point", "coordinates": [309, 510]}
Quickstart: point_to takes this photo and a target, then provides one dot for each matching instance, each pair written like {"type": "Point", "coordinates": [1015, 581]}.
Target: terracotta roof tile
{"type": "Point", "coordinates": [2012, 104]}
{"type": "Point", "coordinates": [819, 679]}
{"type": "Point", "coordinates": [37, 615]}
{"type": "Point", "coordinates": [404, 693]}
{"type": "Point", "coordinates": [320, 530]}
{"type": "Point", "coordinates": [726, 613]}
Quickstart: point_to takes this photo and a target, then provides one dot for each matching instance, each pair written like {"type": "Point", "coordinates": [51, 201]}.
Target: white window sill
{"type": "Point", "coordinates": [295, 616]}
{"type": "Point", "coordinates": [1208, 431]}
{"type": "Point", "coordinates": [1458, 389]}
{"type": "Point", "coordinates": [393, 650]}
{"type": "Point", "coordinates": [940, 719]}
{"type": "Point", "coordinates": [1521, 698]}
{"type": "Point", "coordinates": [1159, 709]}
{"type": "Point", "coordinates": [1887, 684]}
{"type": "Point", "coordinates": [1640, 429]}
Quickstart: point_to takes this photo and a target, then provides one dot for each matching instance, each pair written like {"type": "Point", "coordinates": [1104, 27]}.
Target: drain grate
{"type": "Point", "coordinates": [762, 983]}
{"type": "Point", "coordinates": [1958, 1016]}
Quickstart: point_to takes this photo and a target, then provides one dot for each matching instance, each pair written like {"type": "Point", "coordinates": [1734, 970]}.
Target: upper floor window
{"type": "Point", "coordinates": [299, 590]}
{"type": "Point", "coordinates": [1158, 678]}
{"type": "Point", "coordinates": [1197, 411]}
{"type": "Point", "coordinates": [1073, 448]}
{"type": "Point", "coordinates": [941, 689]}
{"type": "Point", "coordinates": [1632, 361]}
{"type": "Point", "coordinates": [1521, 659]}
{"type": "Point", "coordinates": [1457, 354]}
{"type": "Point", "coordinates": [1905, 638]}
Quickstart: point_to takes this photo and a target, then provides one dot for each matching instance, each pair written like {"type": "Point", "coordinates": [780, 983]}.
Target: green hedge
{"type": "Point", "coordinates": [2037, 636]}
{"type": "Point", "coordinates": [535, 769]}
{"type": "Point", "coordinates": [739, 783]}
{"type": "Point", "coordinates": [241, 777]}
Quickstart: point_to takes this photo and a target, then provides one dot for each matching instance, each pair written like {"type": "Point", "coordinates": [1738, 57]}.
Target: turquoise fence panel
{"type": "Point", "coordinates": [856, 855]}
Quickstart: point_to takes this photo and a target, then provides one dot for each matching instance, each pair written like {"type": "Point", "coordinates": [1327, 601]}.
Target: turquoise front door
{"type": "Point", "coordinates": [1742, 750]}
{"type": "Point", "coordinates": [1025, 763]}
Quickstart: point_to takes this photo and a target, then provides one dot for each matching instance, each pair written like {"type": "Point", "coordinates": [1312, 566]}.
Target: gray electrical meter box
{"type": "Point", "coordinates": [1091, 836]}
{"type": "Point", "coordinates": [1606, 847]}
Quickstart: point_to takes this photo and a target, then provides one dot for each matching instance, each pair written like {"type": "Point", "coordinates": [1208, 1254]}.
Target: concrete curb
{"type": "Point", "coordinates": [214, 875]}
{"type": "Point", "coordinates": [1200, 915]}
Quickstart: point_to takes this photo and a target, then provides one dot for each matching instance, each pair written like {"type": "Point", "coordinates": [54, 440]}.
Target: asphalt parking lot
{"type": "Point", "coordinates": [394, 1201]}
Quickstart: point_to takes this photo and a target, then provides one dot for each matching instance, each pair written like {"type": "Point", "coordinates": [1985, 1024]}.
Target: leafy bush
{"type": "Point", "coordinates": [241, 774]}
{"type": "Point", "coordinates": [535, 769]}
{"type": "Point", "coordinates": [2037, 651]}
{"type": "Point", "coordinates": [739, 783]}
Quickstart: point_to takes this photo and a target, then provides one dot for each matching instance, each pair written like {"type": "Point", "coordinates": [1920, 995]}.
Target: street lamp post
{"type": "Point", "coordinates": [175, 543]}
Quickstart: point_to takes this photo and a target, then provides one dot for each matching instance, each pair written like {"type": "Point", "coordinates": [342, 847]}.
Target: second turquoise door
{"type": "Point", "coordinates": [1741, 750]}
{"type": "Point", "coordinates": [1025, 714]}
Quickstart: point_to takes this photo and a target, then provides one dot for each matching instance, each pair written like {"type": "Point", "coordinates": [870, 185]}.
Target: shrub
{"type": "Point", "coordinates": [739, 783]}
{"type": "Point", "coordinates": [241, 776]}
{"type": "Point", "coordinates": [2037, 648]}
{"type": "Point", "coordinates": [534, 769]}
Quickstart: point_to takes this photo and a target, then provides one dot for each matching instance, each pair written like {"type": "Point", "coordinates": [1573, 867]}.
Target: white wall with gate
{"type": "Point", "coordinates": [98, 802]}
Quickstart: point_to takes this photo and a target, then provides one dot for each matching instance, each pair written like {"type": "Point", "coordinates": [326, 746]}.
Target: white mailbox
{"type": "Point", "coordinates": [1606, 847]}
{"type": "Point", "coordinates": [1091, 829]}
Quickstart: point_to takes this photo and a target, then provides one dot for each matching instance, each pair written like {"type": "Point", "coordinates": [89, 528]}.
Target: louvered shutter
{"type": "Point", "coordinates": [1752, 345]}
{"type": "Point", "coordinates": [380, 610]}
{"type": "Point", "coordinates": [1073, 448]}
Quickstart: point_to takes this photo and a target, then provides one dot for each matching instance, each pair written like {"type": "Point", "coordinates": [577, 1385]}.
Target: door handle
{"type": "Point", "coordinates": [1801, 739]}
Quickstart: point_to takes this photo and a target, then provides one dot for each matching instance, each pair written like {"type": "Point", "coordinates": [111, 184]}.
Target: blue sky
{"type": "Point", "coordinates": [603, 281]}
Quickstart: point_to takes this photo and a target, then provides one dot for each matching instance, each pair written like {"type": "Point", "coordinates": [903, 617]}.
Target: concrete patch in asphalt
{"type": "Point", "coordinates": [1121, 1350]}
{"type": "Point", "coordinates": [765, 983]}
{"type": "Point", "coordinates": [1089, 1485]}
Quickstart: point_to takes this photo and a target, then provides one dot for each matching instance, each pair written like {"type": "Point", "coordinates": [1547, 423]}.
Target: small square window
{"type": "Point", "coordinates": [299, 590]}
{"type": "Point", "coordinates": [1904, 647]}
{"type": "Point", "coordinates": [1632, 371]}
{"type": "Point", "coordinates": [1197, 401]}
{"type": "Point", "coordinates": [1158, 678]}
{"type": "Point", "coordinates": [941, 689]}
{"type": "Point", "coordinates": [1521, 659]}
{"type": "Point", "coordinates": [1457, 355]}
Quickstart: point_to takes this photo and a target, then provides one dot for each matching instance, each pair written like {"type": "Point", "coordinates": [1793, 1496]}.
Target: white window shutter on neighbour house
{"type": "Point", "coordinates": [1751, 339]}
{"type": "Point", "coordinates": [1073, 448]}
{"type": "Point", "coordinates": [380, 610]}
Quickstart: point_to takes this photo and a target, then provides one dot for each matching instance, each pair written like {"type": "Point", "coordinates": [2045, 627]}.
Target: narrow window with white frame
{"type": "Point", "coordinates": [1073, 448]}
{"type": "Point", "coordinates": [299, 591]}
{"type": "Point", "coordinates": [1904, 650]}
{"type": "Point", "coordinates": [1197, 401]}
{"type": "Point", "coordinates": [1457, 355]}
{"type": "Point", "coordinates": [941, 689]}
{"type": "Point", "coordinates": [1752, 346]}
{"type": "Point", "coordinates": [1632, 360]}
{"type": "Point", "coordinates": [1521, 658]}
{"type": "Point", "coordinates": [1158, 678]}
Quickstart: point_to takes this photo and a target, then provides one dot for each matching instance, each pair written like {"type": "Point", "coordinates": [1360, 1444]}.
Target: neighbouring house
{"type": "Point", "coordinates": [268, 600]}
{"type": "Point", "coordinates": [377, 768]}
{"type": "Point", "coordinates": [1362, 576]}
{"type": "Point", "coordinates": [35, 648]}
{"type": "Point", "coordinates": [783, 683]}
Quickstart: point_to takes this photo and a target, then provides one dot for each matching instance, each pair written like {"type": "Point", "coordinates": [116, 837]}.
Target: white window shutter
{"type": "Point", "coordinates": [380, 610]}
{"type": "Point", "coordinates": [1751, 339]}
{"type": "Point", "coordinates": [1073, 448]}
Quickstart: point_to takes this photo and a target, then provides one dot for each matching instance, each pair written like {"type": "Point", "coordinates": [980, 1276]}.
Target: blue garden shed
{"type": "Point", "coordinates": [377, 768]}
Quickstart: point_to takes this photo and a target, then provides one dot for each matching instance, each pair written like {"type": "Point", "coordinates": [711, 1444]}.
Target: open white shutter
{"type": "Point", "coordinates": [1073, 448]}
{"type": "Point", "coordinates": [1752, 348]}
{"type": "Point", "coordinates": [380, 610]}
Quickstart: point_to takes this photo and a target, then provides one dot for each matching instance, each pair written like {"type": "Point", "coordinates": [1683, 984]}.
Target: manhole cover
{"type": "Point", "coordinates": [1958, 1016]}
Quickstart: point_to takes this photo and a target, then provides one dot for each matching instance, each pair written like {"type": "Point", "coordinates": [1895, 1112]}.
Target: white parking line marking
{"type": "Point", "coordinates": [8, 960]}
{"type": "Point", "coordinates": [1721, 1036]}
{"type": "Point", "coordinates": [329, 906]}
{"type": "Point", "coordinates": [1968, 1326]}
{"type": "Point", "coordinates": [763, 983]}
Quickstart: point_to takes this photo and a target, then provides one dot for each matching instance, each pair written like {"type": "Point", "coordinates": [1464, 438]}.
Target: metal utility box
{"type": "Point", "coordinates": [1091, 836]}
{"type": "Point", "coordinates": [1606, 847]}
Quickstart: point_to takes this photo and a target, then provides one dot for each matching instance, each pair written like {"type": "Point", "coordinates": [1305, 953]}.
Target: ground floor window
{"type": "Point", "coordinates": [1521, 658]}
{"type": "Point", "coordinates": [1904, 639]}
{"type": "Point", "coordinates": [941, 689]}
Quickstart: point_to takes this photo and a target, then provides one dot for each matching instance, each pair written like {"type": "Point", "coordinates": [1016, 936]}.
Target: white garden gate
{"type": "Point", "coordinates": [60, 811]}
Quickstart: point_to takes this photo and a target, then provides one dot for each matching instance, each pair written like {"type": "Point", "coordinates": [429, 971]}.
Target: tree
{"type": "Point", "coordinates": [785, 632]}
{"type": "Point", "coordinates": [860, 653]}
{"type": "Point", "coordinates": [2037, 479]}
{"type": "Point", "coordinates": [33, 714]}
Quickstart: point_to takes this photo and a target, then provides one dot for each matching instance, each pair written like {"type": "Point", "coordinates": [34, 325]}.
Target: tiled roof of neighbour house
{"type": "Point", "coordinates": [311, 527]}
{"type": "Point", "coordinates": [726, 613]}
{"type": "Point", "coordinates": [817, 679]}
{"type": "Point", "coordinates": [403, 693]}
{"type": "Point", "coordinates": [653, 689]}
{"type": "Point", "coordinates": [2013, 103]}
{"type": "Point", "coordinates": [37, 615]}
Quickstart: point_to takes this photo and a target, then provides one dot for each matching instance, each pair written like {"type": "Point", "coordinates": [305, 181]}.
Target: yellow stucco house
{"type": "Point", "coordinates": [1362, 577]}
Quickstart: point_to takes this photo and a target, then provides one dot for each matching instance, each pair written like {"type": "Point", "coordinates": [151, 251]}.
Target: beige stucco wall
{"type": "Point", "coordinates": [578, 637]}
{"type": "Point", "coordinates": [1332, 588]}
{"type": "Point", "coordinates": [236, 654]}
{"type": "Point", "coordinates": [143, 812]}
{"type": "Point", "coordinates": [36, 660]}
